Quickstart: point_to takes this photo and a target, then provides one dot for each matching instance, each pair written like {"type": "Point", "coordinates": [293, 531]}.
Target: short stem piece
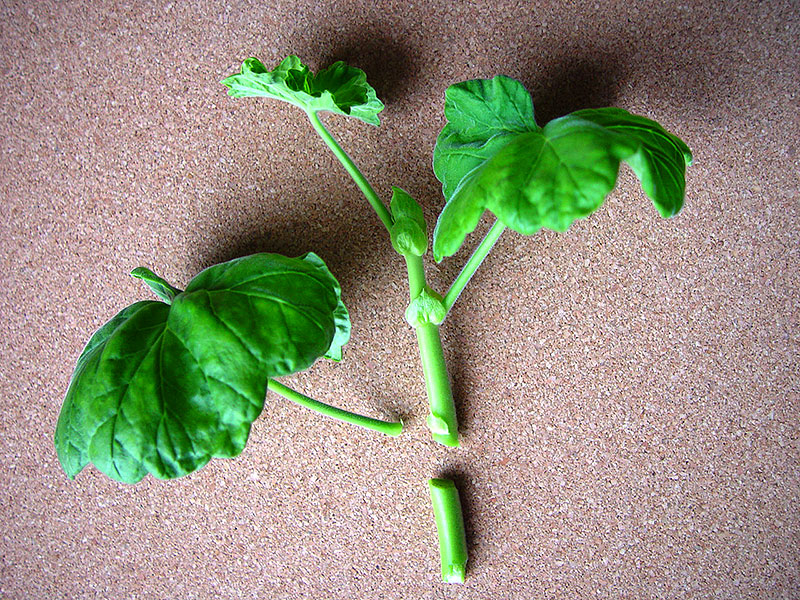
{"type": "Point", "coordinates": [472, 265]}
{"type": "Point", "coordinates": [386, 427]}
{"type": "Point", "coordinates": [450, 528]}
{"type": "Point", "coordinates": [380, 208]}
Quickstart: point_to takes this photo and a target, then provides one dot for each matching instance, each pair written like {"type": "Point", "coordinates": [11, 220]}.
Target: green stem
{"type": "Point", "coordinates": [472, 265]}
{"type": "Point", "coordinates": [389, 428]}
{"type": "Point", "coordinates": [383, 213]}
{"type": "Point", "coordinates": [442, 421]}
{"type": "Point", "coordinates": [450, 527]}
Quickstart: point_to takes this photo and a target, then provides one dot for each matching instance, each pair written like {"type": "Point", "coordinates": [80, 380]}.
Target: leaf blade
{"type": "Point", "coordinates": [660, 161]}
{"type": "Point", "coordinates": [539, 179]}
{"type": "Point", "coordinates": [481, 115]}
{"type": "Point", "coordinates": [162, 389]}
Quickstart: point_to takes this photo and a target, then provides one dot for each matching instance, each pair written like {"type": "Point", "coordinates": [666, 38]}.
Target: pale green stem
{"type": "Point", "coordinates": [472, 265]}
{"type": "Point", "coordinates": [387, 427]}
{"type": "Point", "coordinates": [450, 527]}
{"type": "Point", "coordinates": [380, 208]}
{"type": "Point", "coordinates": [442, 421]}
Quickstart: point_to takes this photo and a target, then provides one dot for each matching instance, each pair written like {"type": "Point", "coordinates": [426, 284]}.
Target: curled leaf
{"type": "Point", "coordinates": [339, 88]}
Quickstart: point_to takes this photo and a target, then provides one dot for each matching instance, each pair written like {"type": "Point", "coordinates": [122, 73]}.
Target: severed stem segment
{"type": "Point", "coordinates": [450, 527]}
{"type": "Point", "coordinates": [386, 427]}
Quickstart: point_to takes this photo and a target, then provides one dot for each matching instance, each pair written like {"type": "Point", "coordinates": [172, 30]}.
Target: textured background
{"type": "Point", "coordinates": [628, 391]}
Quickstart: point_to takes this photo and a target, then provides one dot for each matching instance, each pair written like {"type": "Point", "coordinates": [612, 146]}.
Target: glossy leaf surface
{"type": "Point", "coordinates": [162, 389]}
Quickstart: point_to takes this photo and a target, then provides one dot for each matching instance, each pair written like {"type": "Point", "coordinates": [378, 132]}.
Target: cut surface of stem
{"type": "Point", "coordinates": [385, 427]}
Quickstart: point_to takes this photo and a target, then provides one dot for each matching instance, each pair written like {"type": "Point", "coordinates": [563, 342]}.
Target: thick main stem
{"type": "Point", "coordinates": [386, 427]}
{"type": "Point", "coordinates": [442, 421]}
{"type": "Point", "coordinates": [472, 264]}
{"type": "Point", "coordinates": [380, 208]}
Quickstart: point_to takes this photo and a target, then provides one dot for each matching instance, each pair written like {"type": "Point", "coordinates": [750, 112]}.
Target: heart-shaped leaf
{"type": "Point", "coordinates": [162, 389]}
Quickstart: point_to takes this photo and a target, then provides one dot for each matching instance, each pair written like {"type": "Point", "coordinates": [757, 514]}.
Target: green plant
{"type": "Point", "coordinates": [491, 155]}
{"type": "Point", "coordinates": [165, 386]}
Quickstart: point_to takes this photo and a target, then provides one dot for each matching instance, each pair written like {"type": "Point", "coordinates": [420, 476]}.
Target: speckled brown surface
{"type": "Point", "coordinates": [628, 391]}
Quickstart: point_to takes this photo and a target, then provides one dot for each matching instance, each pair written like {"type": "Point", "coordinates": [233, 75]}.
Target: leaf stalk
{"type": "Point", "coordinates": [386, 427]}
{"type": "Point", "coordinates": [378, 206]}
{"type": "Point", "coordinates": [471, 266]}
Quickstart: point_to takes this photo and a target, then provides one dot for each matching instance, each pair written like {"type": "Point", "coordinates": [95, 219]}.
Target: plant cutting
{"type": "Point", "coordinates": [167, 385]}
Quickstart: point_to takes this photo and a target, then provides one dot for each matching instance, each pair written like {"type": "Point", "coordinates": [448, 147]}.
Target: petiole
{"type": "Point", "coordinates": [475, 261]}
{"type": "Point", "coordinates": [386, 427]}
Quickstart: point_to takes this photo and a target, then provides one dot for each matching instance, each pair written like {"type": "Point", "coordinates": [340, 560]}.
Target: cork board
{"type": "Point", "coordinates": [627, 391]}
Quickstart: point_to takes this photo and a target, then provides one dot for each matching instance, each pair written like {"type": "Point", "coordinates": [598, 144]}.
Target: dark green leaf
{"type": "Point", "coordinates": [162, 389]}
{"type": "Point", "coordinates": [341, 317]}
{"type": "Point", "coordinates": [339, 88]}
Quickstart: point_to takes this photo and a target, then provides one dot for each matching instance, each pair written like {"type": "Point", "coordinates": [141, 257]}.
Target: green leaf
{"type": "Point", "coordinates": [538, 179]}
{"type": "Point", "coordinates": [483, 115]}
{"type": "Point", "coordinates": [659, 163]}
{"type": "Point", "coordinates": [340, 88]}
{"type": "Point", "coordinates": [492, 156]}
{"type": "Point", "coordinates": [162, 389]}
{"type": "Point", "coordinates": [409, 232]}
{"type": "Point", "coordinates": [159, 285]}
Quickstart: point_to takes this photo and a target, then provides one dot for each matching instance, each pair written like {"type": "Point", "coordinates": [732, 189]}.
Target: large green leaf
{"type": "Point", "coordinates": [539, 179]}
{"type": "Point", "coordinates": [492, 156]}
{"type": "Point", "coordinates": [339, 88]}
{"type": "Point", "coordinates": [162, 389]}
